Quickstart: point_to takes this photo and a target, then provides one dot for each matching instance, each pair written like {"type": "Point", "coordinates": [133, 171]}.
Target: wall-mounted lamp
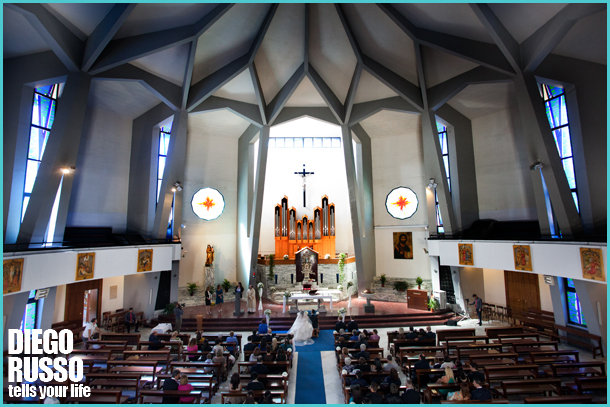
{"type": "Point", "coordinates": [425, 250]}
{"type": "Point", "coordinates": [432, 184]}
{"type": "Point", "coordinates": [183, 226]}
{"type": "Point", "coordinates": [436, 271]}
{"type": "Point", "coordinates": [536, 166]}
{"type": "Point", "coordinates": [177, 187]}
{"type": "Point", "coordinates": [67, 170]}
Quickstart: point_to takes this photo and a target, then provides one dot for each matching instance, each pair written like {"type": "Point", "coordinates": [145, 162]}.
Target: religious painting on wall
{"type": "Point", "coordinates": [466, 254]}
{"type": "Point", "coordinates": [208, 203]}
{"type": "Point", "coordinates": [12, 274]}
{"type": "Point", "coordinates": [592, 264]}
{"type": "Point", "coordinates": [145, 257]}
{"type": "Point", "coordinates": [403, 245]}
{"type": "Point", "coordinates": [401, 203]}
{"type": "Point", "coordinates": [85, 263]}
{"type": "Point", "coordinates": [523, 258]}
{"type": "Point", "coordinates": [306, 261]}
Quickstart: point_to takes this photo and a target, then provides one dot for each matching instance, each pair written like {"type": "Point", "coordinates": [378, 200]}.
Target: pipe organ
{"type": "Point", "coordinates": [292, 234]}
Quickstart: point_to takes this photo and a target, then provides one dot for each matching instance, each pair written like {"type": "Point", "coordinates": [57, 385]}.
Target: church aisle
{"type": "Point", "coordinates": [310, 388]}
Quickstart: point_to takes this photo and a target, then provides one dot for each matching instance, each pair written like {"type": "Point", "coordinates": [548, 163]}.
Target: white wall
{"type": "Point", "coordinates": [560, 259]}
{"type": "Point", "coordinates": [384, 254]}
{"type": "Point", "coordinates": [211, 161]}
{"type": "Point", "coordinates": [495, 289]}
{"type": "Point", "coordinates": [472, 281]}
{"type": "Point", "coordinates": [101, 179]}
{"type": "Point", "coordinates": [55, 268]}
{"type": "Point", "coordinates": [546, 303]}
{"type": "Point", "coordinates": [117, 303]}
{"type": "Point", "coordinates": [60, 304]}
{"type": "Point", "coordinates": [504, 185]}
{"type": "Point", "coordinates": [328, 165]}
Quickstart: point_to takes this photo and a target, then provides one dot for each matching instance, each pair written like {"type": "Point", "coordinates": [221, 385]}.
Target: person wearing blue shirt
{"type": "Point", "coordinates": [231, 339]}
{"type": "Point", "coordinates": [354, 336]}
{"type": "Point", "coordinates": [479, 393]}
{"type": "Point", "coordinates": [478, 305]}
{"type": "Point", "coordinates": [262, 328]}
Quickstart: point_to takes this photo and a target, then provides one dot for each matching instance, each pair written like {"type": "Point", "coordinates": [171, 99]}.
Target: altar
{"type": "Point", "coordinates": [319, 297]}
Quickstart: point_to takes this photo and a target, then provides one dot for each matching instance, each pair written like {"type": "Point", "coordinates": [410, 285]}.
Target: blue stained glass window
{"type": "Point", "coordinates": [43, 115]}
{"type": "Point", "coordinates": [575, 315]}
{"type": "Point", "coordinates": [164, 137]}
{"type": "Point", "coordinates": [557, 113]}
{"type": "Point", "coordinates": [29, 315]}
{"type": "Point", "coordinates": [442, 138]}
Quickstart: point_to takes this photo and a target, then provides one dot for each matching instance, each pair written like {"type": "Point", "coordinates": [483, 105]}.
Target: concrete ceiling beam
{"type": "Point", "coordinates": [350, 33]}
{"type": "Point", "coordinates": [332, 101]}
{"type": "Point", "coordinates": [292, 113]}
{"type": "Point", "coordinates": [279, 101]}
{"type": "Point", "coordinates": [258, 92]}
{"type": "Point", "coordinates": [167, 92]}
{"type": "Point", "coordinates": [103, 33]}
{"type": "Point", "coordinates": [188, 73]}
{"type": "Point", "coordinates": [262, 31]}
{"type": "Point", "coordinates": [246, 111]}
{"type": "Point", "coordinates": [67, 46]}
{"type": "Point", "coordinates": [361, 111]}
{"type": "Point", "coordinates": [397, 83]}
{"type": "Point", "coordinates": [351, 93]}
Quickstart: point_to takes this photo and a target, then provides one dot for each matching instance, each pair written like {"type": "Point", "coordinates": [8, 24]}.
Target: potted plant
{"type": "Point", "coordinates": [192, 288]}
{"type": "Point", "coordinates": [419, 282]}
{"type": "Point", "coordinates": [286, 257]}
{"type": "Point", "coordinates": [341, 263]}
{"type": "Point", "coordinates": [226, 285]}
{"type": "Point", "coordinates": [400, 286]}
{"type": "Point", "coordinates": [383, 279]}
{"type": "Point", "coordinates": [169, 309]}
{"type": "Point", "coordinates": [271, 264]}
{"type": "Point", "coordinates": [433, 304]}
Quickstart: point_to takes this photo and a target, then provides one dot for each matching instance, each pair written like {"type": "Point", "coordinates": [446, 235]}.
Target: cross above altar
{"type": "Point", "coordinates": [303, 174]}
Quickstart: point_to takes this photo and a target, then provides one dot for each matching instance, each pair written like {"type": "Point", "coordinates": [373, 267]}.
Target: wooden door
{"type": "Point", "coordinates": [75, 299]}
{"type": "Point", "coordinates": [522, 291]}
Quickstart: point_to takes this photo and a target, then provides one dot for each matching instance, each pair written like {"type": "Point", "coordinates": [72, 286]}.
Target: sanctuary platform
{"type": "Point", "coordinates": [387, 314]}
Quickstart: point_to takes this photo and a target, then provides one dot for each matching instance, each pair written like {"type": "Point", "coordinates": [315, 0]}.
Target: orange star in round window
{"type": "Point", "coordinates": [401, 203]}
{"type": "Point", "coordinates": [208, 203]}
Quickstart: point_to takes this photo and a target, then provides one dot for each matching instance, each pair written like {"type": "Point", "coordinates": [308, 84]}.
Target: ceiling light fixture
{"type": "Point", "coordinates": [177, 187]}
{"type": "Point", "coordinates": [536, 166]}
{"type": "Point", "coordinates": [67, 170]}
{"type": "Point", "coordinates": [432, 184]}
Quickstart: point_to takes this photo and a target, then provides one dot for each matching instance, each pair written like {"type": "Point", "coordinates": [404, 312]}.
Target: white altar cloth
{"type": "Point", "coordinates": [319, 296]}
{"type": "Point", "coordinates": [162, 328]}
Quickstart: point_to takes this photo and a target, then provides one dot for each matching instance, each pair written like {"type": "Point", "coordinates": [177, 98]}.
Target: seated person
{"type": "Point", "coordinates": [345, 335]}
{"type": "Point", "coordinates": [392, 378]}
{"type": "Point", "coordinates": [255, 384]}
{"type": "Point", "coordinates": [393, 397]}
{"type": "Point", "coordinates": [390, 365]}
{"type": "Point", "coordinates": [340, 325]}
{"type": "Point", "coordinates": [259, 367]}
{"type": "Point", "coordinates": [374, 336]}
{"type": "Point", "coordinates": [219, 358]}
{"type": "Point", "coordinates": [479, 393]}
{"type": "Point", "coordinates": [375, 397]}
{"type": "Point", "coordinates": [340, 341]}
{"type": "Point", "coordinates": [420, 335]}
{"type": "Point", "coordinates": [359, 380]}
{"type": "Point", "coordinates": [447, 362]}
{"type": "Point", "coordinates": [208, 361]}
{"type": "Point", "coordinates": [156, 341]}
{"type": "Point", "coordinates": [269, 336]}
{"type": "Point", "coordinates": [281, 355]}
{"type": "Point", "coordinates": [262, 327]}
{"type": "Point", "coordinates": [314, 319]}
{"type": "Point", "coordinates": [184, 385]}
{"type": "Point", "coordinates": [462, 394]}
{"type": "Point", "coordinates": [421, 364]}
{"type": "Point", "coordinates": [218, 344]}
{"type": "Point", "coordinates": [410, 395]}
{"type": "Point", "coordinates": [250, 346]}
{"type": "Point", "coordinates": [192, 347]}
{"type": "Point", "coordinates": [254, 337]}
{"type": "Point", "coordinates": [362, 365]}
{"type": "Point", "coordinates": [232, 339]}
{"type": "Point", "coordinates": [412, 333]}
{"type": "Point", "coordinates": [363, 353]}
{"type": "Point", "coordinates": [254, 355]}
{"type": "Point", "coordinates": [353, 325]}
{"type": "Point", "coordinates": [429, 333]}
{"type": "Point", "coordinates": [475, 372]}
{"type": "Point", "coordinates": [348, 367]}
{"type": "Point", "coordinates": [268, 356]}
{"type": "Point", "coordinates": [362, 341]}
{"type": "Point", "coordinates": [401, 334]}
{"type": "Point", "coordinates": [356, 398]}
{"type": "Point", "coordinates": [263, 344]}
{"type": "Point", "coordinates": [172, 384]}
{"type": "Point", "coordinates": [205, 346]}
{"type": "Point", "coordinates": [354, 336]}
{"type": "Point", "coordinates": [446, 379]}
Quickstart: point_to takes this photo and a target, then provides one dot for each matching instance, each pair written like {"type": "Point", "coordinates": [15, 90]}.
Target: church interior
{"type": "Point", "coordinates": [216, 169]}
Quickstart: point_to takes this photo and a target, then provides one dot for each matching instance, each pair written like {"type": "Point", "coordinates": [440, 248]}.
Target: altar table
{"type": "Point", "coordinates": [297, 297]}
{"type": "Point", "coordinates": [162, 328]}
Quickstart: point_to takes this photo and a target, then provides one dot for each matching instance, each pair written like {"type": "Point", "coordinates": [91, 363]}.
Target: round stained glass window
{"type": "Point", "coordinates": [208, 203]}
{"type": "Point", "coordinates": [401, 203]}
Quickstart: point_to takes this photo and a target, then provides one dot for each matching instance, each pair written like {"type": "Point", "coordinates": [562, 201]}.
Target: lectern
{"type": "Point", "coordinates": [238, 311]}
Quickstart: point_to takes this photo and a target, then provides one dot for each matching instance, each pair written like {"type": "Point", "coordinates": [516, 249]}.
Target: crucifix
{"type": "Point", "coordinates": [303, 174]}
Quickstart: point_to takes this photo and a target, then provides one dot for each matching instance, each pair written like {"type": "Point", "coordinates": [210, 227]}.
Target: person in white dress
{"type": "Point", "coordinates": [301, 330]}
{"type": "Point", "coordinates": [251, 296]}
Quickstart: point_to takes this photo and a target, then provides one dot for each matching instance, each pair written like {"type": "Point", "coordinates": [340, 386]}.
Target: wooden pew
{"type": "Point", "coordinates": [428, 394]}
{"type": "Point", "coordinates": [465, 350]}
{"type": "Point", "coordinates": [143, 367]}
{"type": "Point", "coordinates": [156, 396]}
{"type": "Point", "coordinates": [494, 359]}
{"type": "Point", "coordinates": [399, 344]}
{"type": "Point", "coordinates": [578, 369]}
{"type": "Point", "coordinates": [279, 396]}
{"type": "Point", "coordinates": [197, 368]}
{"type": "Point", "coordinates": [185, 338]}
{"type": "Point", "coordinates": [530, 386]}
{"type": "Point", "coordinates": [524, 348]}
{"type": "Point", "coordinates": [437, 352]}
{"type": "Point", "coordinates": [123, 380]}
{"type": "Point", "coordinates": [213, 337]}
{"type": "Point", "coordinates": [443, 334]}
{"type": "Point", "coordinates": [550, 357]}
{"type": "Point", "coordinates": [493, 332]}
{"type": "Point", "coordinates": [595, 348]}
{"type": "Point", "coordinates": [508, 338]}
{"type": "Point", "coordinates": [272, 366]}
{"type": "Point", "coordinates": [107, 344]}
{"type": "Point", "coordinates": [500, 373]}
{"type": "Point", "coordinates": [94, 355]}
{"type": "Point", "coordinates": [352, 344]}
{"type": "Point", "coordinates": [559, 400]}
{"type": "Point", "coordinates": [132, 339]}
{"type": "Point", "coordinates": [373, 352]}
{"type": "Point", "coordinates": [583, 385]}
{"type": "Point", "coordinates": [161, 356]}
{"type": "Point", "coordinates": [538, 325]}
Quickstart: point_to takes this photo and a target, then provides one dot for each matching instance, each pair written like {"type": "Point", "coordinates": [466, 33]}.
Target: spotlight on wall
{"type": "Point", "coordinates": [67, 170]}
{"type": "Point", "coordinates": [432, 184]}
{"type": "Point", "coordinates": [425, 250]}
{"type": "Point", "coordinates": [184, 253]}
{"type": "Point", "coordinates": [536, 166]}
{"type": "Point", "coordinates": [177, 187]}
{"type": "Point", "coordinates": [183, 226]}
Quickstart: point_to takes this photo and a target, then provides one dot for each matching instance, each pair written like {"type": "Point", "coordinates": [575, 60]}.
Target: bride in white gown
{"type": "Point", "coordinates": [302, 329]}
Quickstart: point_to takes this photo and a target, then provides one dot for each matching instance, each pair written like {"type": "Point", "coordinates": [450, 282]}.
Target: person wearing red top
{"type": "Point", "coordinates": [193, 347]}
{"type": "Point", "coordinates": [184, 385]}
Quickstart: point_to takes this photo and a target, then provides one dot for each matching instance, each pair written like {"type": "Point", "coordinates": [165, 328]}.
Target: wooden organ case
{"type": "Point", "coordinates": [318, 233]}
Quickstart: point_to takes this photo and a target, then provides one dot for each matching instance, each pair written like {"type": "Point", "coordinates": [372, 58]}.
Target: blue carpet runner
{"type": "Point", "coordinates": [310, 376]}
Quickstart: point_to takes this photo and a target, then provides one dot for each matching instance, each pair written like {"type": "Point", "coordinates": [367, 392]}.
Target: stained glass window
{"type": "Point", "coordinates": [442, 138]}
{"type": "Point", "coordinates": [29, 316]}
{"type": "Point", "coordinates": [43, 115]}
{"type": "Point", "coordinates": [574, 310]}
{"type": "Point", "coordinates": [164, 136]}
{"type": "Point", "coordinates": [557, 114]}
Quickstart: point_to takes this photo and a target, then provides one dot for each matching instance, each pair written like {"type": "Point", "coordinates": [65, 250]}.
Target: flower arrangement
{"type": "Point", "coordinates": [260, 285]}
{"type": "Point", "coordinates": [342, 310]}
{"type": "Point", "coordinates": [287, 294]}
{"type": "Point", "coordinates": [339, 287]}
{"type": "Point", "coordinates": [350, 284]}
{"type": "Point", "coordinates": [286, 257]}
{"type": "Point", "coordinates": [327, 256]}
{"type": "Point", "coordinates": [267, 312]}
{"type": "Point", "coordinates": [273, 289]}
